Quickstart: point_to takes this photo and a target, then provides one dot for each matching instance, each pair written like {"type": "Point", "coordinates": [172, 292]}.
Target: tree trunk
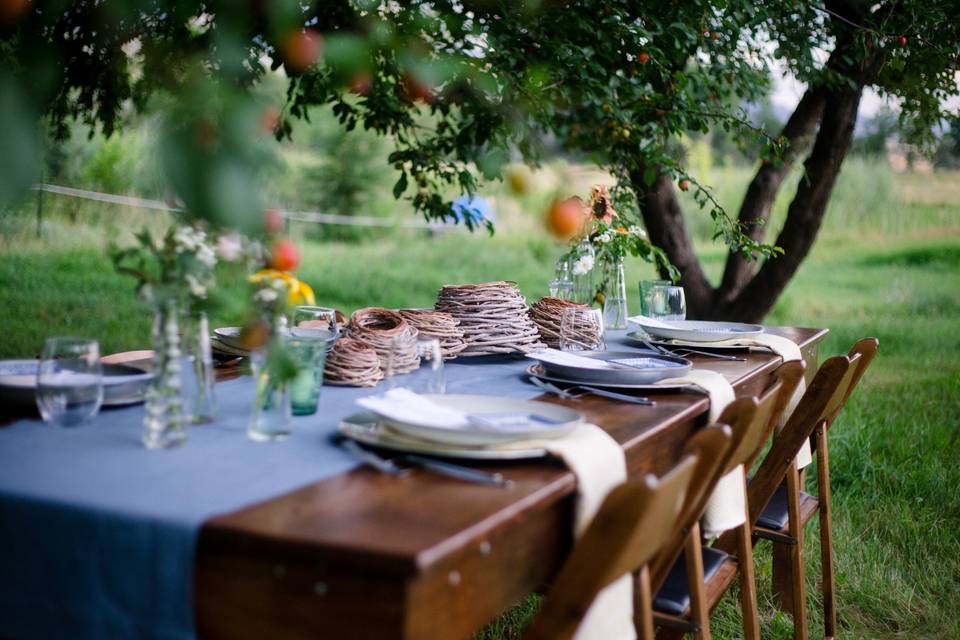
{"type": "Point", "coordinates": [758, 201]}
{"type": "Point", "coordinates": [806, 210]}
{"type": "Point", "coordinates": [666, 228]}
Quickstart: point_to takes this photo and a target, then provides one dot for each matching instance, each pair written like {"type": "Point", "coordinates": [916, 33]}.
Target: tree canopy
{"type": "Point", "coordinates": [461, 85]}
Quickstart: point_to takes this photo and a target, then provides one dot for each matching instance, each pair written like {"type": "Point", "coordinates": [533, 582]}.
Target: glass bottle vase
{"type": "Point", "coordinates": [199, 390]}
{"type": "Point", "coordinates": [615, 296]}
{"type": "Point", "coordinates": [272, 410]}
{"type": "Point", "coordinates": [163, 425]}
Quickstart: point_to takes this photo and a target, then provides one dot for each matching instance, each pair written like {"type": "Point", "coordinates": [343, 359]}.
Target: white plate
{"type": "Point", "coordinates": [563, 421]}
{"type": "Point", "coordinates": [122, 384]}
{"type": "Point", "coordinates": [650, 367]}
{"type": "Point", "coordinates": [369, 428]}
{"type": "Point", "coordinates": [638, 338]}
{"type": "Point", "coordinates": [701, 331]}
{"type": "Point", "coordinates": [538, 371]}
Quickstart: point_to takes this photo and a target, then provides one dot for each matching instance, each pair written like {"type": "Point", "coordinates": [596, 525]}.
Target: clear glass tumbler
{"type": "Point", "coordinates": [667, 302]}
{"type": "Point", "coordinates": [69, 381]}
{"type": "Point", "coordinates": [309, 355]}
{"type": "Point", "coordinates": [646, 288]}
{"type": "Point", "coordinates": [429, 377]}
{"type": "Point", "coordinates": [581, 329]}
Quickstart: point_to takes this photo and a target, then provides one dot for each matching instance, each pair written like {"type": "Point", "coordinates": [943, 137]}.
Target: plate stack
{"type": "Point", "coordinates": [435, 324]}
{"type": "Point", "coordinates": [493, 317]}
{"type": "Point", "coordinates": [352, 364]}
{"type": "Point", "coordinates": [547, 314]}
{"type": "Point", "coordinates": [386, 332]}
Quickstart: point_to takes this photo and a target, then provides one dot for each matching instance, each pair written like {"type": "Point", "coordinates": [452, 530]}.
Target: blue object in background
{"type": "Point", "coordinates": [475, 208]}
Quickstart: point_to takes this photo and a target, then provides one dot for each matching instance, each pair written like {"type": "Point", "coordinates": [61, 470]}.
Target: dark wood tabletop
{"type": "Point", "coordinates": [368, 555]}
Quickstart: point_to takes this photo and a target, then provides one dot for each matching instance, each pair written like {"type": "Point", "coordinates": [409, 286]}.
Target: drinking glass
{"type": "Point", "coordinates": [314, 322]}
{"type": "Point", "coordinates": [69, 381]}
{"type": "Point", "coordinates": [309, 354]}
{"type": "Point", "coordinates": [646, 287]}
{"type": "Point", "coordinates": [581, 329]}
{"type": "Point", "coordinates": [667, 302]}
{"type": "Point", "coordinates": [429, 377]}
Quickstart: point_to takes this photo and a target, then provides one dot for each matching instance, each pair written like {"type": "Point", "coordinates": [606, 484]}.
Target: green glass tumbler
{"type": "Point", "coordinates": [310, 356]}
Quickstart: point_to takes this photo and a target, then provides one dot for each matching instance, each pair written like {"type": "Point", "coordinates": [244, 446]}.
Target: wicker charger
{"type": "Point", "coordinates": [387, 333]}
{"type": "Point", "coordinates": [493, 317]}
{"type": "Point", "coordinates": [547, 313]}
{"type": "Point", "coordinates": [352, 363]}
{"type": "Point", "coordinates": [435, 324]}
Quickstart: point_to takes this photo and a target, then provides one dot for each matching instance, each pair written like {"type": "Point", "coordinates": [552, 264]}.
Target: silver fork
{"type": "Point", "coordinates": [578, 391]}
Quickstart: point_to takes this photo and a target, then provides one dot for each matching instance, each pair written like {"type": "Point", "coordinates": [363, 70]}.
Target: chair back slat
{"type": "Point", "coordinates": [811, 411]}
{"type": "Point", "coordinates": [866, 349]}
{"type": "Point", "coordinates": [634, 521]}
{"type": "Point", "coordinates": [711, 446]}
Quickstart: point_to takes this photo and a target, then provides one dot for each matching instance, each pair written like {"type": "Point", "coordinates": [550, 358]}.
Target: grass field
{"type": "Point", "coordinates": [887, 265]}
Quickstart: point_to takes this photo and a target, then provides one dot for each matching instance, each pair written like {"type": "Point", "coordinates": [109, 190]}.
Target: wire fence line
{"type": "Point", "coordinates": [300, 216]}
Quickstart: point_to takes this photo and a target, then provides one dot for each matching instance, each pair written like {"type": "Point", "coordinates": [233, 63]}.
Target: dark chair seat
{"type": "Point", "coordinates": [775, 514]}
{"type": "Point", "coordinates": [674, 595]}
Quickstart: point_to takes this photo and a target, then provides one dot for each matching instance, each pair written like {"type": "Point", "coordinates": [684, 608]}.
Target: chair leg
{"type": "Point", "coordinates": [798, 591]}
{"type": "Point", "coordinates": [826, 535]}
{"type": "Point", "coordinates": [699, 607]}
{"type": "Point", "coordinates": [643, 614]}
{"type": "Point", "coordinates": [748, 584]}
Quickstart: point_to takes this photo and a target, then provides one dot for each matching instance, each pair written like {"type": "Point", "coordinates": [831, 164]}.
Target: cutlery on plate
{"type": "Point", "coordinates": [369, 457]}
{"type": "Point", "coordinates": [457, 471]}
{"type": "Point", "coordinates": [570, 394]}
{"type": "Point", "coordinates": [718, 356]}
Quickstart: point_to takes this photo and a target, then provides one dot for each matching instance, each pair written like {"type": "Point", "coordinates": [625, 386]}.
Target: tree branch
{"type": "Point", "coordinates": [663, 218]}
{"type": "Point", "coordinates": [807, 208]}
{"type": "Point", "coordinates": [758, 201]}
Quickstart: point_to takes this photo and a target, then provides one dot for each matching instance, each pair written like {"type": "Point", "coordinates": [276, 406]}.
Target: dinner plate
{"type": "Point", "coordinates": [638, 367]}
{"type": "Point", "coordinates": [369, 428]}
{"type": "Point", "coordinates": [700, 330]}
{"type": "Point", "coordinates": [122, 384]}
{"type": "Point", "coordinates": [639, 338]}
{"type": "Point", "coordinates": [539, 371]}
{"type": "Point", "coordinates": [545, 421]}
{"type": "Point", "coordinates": [227, 339]}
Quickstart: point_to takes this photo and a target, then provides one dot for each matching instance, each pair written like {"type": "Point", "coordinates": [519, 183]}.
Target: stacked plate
{"type": "Point", "coordinates": [613, 369]}
{"type": "Point", "coordinates": [493, 317]}
{"type": "Point", "coordinates": [464, 426]}
{"type": "Point", "coordinates": [226, 342]}
{"type": "Point", "coordinates": [697, 331]}
{"type": "Point", "coordinates": [122, 384]}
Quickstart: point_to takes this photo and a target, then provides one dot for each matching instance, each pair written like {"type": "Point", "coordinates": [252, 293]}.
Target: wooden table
{"type": "Point", "coordinates": [367, 555]}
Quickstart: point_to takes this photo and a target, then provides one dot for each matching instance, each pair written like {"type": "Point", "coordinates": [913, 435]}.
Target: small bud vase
{"type": "Point", "coordinates": [615, 296]}
{"type": "Point", "coordinates": [163, 426]}
{"type": "Point", "coordinates": [201, 400]}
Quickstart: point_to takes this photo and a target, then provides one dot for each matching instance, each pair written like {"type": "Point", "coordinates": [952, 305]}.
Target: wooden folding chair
{"type": "Point", "coordinates": [632, 524]}
{"type": "Point", "coordinates": [691, 578]}
{"type": "Point", "coordinates": [778, 507]}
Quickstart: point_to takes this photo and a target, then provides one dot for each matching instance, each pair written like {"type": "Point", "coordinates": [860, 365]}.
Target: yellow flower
{"type": "Point", "coordinates": [298, 292]}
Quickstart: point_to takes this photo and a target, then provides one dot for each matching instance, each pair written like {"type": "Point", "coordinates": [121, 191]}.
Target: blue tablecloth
{"type": "Point", "coordinates": [97, 534]}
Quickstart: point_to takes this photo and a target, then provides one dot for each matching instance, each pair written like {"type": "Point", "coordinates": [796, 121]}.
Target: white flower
{"type": "Point", "coordinates": [229, 246]}
{"type": "Point", "coordinates": [196, 287]}
{"type": "Point", "coordinates": [186, 238]}
{"type": "Point", "coordinates": [265, 295]}
{"type": "Point", "coordinates": [206, 256]}
{"type": "Point", "coordinates": [605, 237]}
{"type": "Point", "coordinates": [637, 231]}
{"type": "Point", "coordinates": [583, 265]}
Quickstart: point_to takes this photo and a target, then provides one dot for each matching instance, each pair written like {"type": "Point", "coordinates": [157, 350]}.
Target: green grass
{"type": "Point", "coordinates": [885, 266]}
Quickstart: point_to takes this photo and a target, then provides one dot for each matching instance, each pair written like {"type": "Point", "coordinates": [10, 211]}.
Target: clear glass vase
{"type": "Point", "coordinates": [198, 385]}
{"type": "Point", "coordinates": [582, 274]}
{"type": "Point", "coordinates": [272, 409]}
{"type": "Point", "coordinates": [615, 296]}
{"type": "Point", "coordinates": [163, 426]}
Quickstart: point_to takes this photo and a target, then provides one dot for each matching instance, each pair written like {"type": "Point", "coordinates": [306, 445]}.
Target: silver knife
{"type": "Point", "coordinates": [458, 471]}
{"type": "Point", "coordinates": [616, 396]}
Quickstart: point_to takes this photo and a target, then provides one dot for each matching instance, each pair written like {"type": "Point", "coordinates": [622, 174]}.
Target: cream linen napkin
{"type": "Point", "coordinates": [599, 465]}
{"type": "Point", "coordinates": [788, 350]}
{"type": "Point", "coordinates": [726, 508]}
